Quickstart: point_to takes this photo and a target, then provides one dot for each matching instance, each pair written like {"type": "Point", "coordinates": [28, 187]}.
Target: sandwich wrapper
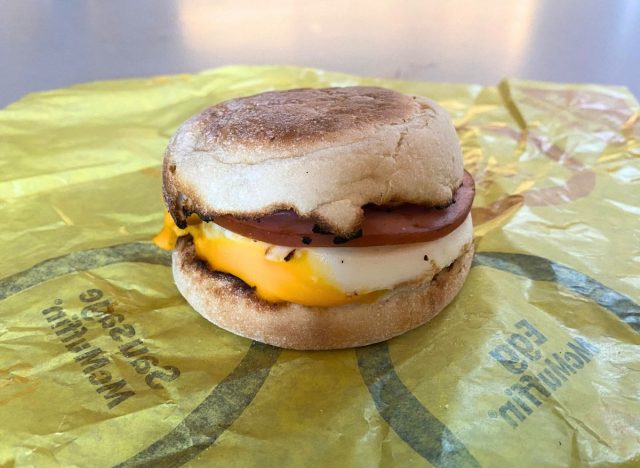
{"type": "Point", "coordinates": [537, 361]}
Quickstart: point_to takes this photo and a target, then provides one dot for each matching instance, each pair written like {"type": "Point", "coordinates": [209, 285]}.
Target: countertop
{"type": "Point", "coordinates": [47, 43]}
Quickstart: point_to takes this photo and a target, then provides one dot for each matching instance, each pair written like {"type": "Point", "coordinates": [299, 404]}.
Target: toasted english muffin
{"type": "Point", "coordinates": [323, 153]}
{"type": "Point", "coordinates": [231, 304]}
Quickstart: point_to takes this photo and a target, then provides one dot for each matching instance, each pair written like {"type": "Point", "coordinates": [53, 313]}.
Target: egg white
{"type": "Point", "coordinates": [366, 269]}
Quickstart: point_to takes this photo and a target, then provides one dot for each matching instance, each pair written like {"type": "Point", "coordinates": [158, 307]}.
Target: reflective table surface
{"type": "Point", "coordinates": [47, 43]}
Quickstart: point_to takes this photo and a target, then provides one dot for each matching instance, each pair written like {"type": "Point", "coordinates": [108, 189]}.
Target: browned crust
{"type": "Point", "coordinates": [297, 116]}
{"type": "Point", "coordinates": [229, 303]}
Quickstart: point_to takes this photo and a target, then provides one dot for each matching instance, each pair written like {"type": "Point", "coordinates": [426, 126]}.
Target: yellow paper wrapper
{"type": "Point", "coordinates": [536, 363]}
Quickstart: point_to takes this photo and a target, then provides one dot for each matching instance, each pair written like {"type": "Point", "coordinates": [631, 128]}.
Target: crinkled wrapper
{"type": "Point", "coordinates": [535, 363]}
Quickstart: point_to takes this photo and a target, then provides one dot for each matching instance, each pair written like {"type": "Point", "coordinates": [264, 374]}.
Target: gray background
{"type": "Point", "coordinates": [47, 43]}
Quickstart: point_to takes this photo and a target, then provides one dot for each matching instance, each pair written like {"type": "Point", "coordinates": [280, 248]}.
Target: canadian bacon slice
{"type": "Point", "coordinates": [404, 224]}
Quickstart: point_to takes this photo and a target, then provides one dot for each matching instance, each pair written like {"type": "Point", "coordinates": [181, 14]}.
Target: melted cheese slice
{"type": "Point", "coordinates": [317, 276]}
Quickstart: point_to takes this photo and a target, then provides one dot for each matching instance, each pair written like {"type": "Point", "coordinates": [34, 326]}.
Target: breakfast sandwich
{"type": "Point", "coordinates": [318, 218]}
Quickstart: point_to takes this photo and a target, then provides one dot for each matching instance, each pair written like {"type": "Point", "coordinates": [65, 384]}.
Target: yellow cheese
{"type": "Point", "coordinates": [301, 279]}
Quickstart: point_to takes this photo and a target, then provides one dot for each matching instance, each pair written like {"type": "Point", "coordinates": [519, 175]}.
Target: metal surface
{"type": "Point", "coordinates": [47, 43]}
